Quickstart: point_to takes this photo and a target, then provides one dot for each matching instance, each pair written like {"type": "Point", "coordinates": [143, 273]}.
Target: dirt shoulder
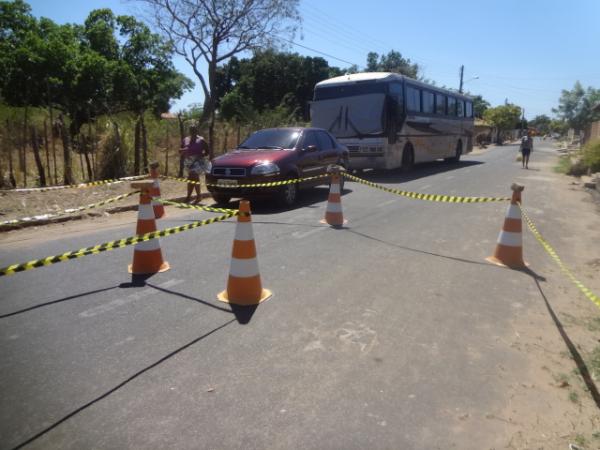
{"type": "Point", "coordinates": [559, 333]}
{"type": "Point", "coordinates": [26, 204]}
{"type": "Point", "coordinates": [16, 205]}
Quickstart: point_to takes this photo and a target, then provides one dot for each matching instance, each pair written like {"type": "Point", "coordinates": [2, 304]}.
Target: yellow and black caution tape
{"type": "Point", "coordinates": [183, 180]}
{"type": "Point", "coordinates": [255, 185]}
{"type": "Point", "coordinates": [81, 185]}
{"type": "Point", "coordinates": [428, 197]}
{"type": "Point", "coordinates": [198, 207]}
{"type": "Point", "coordinates": [66, 211]}
{"type": "Point", "coordinates": [587, 292]}
{"type": "Point", "coordinates": [112, 245]}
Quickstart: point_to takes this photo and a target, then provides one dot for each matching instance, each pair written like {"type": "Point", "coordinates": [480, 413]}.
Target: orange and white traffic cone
{"type": "Point", "coordinates": [244, 286]}
{"type": "Point", "coordinates": [147, 256]}
{"type": "Point", "coordinates": [509, 248]}
{"type": "Point", "coordinates": [334, 215]}
{"type": "Point", "coordinates": [159, 209]}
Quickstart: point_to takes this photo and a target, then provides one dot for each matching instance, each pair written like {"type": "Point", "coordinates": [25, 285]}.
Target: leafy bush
{"type": "Point", "coordinates": [577, 168]}
{"type": "Point", "coordinates": [591, 155]}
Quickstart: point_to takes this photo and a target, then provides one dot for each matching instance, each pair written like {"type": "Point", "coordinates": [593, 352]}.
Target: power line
{"type": "Point", "coordinates": [541, 78]}
{"type": "Point", "coordinates": [334, 37]}
{"type": "Point", "coordinates": [337, 32]}
{"type": "Point", "coordinates": [520, 90]}
{"type": "Point", "coordinates": [317, 51]}
{"type": "Point", "coordinates": [361, 37]}
{"type": "Point", "coordinates": [337, 41]}
{"type": "Point", "coordinates": [345, 27]}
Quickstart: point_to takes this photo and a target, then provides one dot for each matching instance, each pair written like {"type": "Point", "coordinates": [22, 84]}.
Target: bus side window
{"type": "Point", "coordinates": [398, 103]}
{"type": "Point", "coordinates": [451, 106]}
{"type": "Point", "coordinates": [428, 102]}
{"type": "Point", "coordinates": [413, 99]}
{"type": "Point", "coordinates": [460, 108]}
{"type": "Point", "coordinates": [440, 104]}
{"type": "Point", "coordinates": [469, 109]}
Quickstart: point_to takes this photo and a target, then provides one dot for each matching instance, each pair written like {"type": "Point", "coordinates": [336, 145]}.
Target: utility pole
{"type": "Point", "coordinates": [522, 120]}
{"type": "Point", "coordinates": [462, 71]}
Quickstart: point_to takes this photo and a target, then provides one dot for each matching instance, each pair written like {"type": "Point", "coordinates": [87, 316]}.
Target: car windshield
{"type": "Point", "coordinates": [276, 139]}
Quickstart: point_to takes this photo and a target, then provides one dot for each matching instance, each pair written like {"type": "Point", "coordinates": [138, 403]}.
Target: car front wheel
{"type": "Point", "coordinates": [221, 199]}
{"type": "Point", "coordinates": [288, 195]}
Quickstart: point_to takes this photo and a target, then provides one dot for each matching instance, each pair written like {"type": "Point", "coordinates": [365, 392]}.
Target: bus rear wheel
{"type": "Point", "coordinates": [408, 159]}
{"type": "Point", "coordinates": [457, 153]}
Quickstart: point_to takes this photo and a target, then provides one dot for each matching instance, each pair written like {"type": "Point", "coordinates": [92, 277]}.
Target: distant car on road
{"type": "Point", "coordinates": [275, 154]}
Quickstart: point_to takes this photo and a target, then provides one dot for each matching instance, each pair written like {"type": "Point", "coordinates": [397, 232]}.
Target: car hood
{"type": "Point", "coordinates": [247, 158]}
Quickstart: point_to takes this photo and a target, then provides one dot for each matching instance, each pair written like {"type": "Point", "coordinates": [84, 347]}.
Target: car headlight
{"type": "Point", "coordinates": [265, 169]}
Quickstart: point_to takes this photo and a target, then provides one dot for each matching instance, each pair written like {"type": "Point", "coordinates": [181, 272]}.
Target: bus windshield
{"type": "Point", "coordinates": [349, 90]}
{"type": "Point", "coordinates": [350, 109]}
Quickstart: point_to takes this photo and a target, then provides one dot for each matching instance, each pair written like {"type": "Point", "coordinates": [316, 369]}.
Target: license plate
{"type": "Point", "coordinates": [228, 182]}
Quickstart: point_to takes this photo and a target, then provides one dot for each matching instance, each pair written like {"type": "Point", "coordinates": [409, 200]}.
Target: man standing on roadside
{"type": "Point", "coordinates": [195, 151]}
{"type": "Point", "coordinates": [526, 149]}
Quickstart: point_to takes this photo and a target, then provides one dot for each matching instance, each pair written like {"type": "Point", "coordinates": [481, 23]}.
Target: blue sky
{"type": "Point", "coordinates": [525, 51]}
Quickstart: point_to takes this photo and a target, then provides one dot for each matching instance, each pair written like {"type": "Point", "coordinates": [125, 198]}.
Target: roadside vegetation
{"type": "Point", "coordinates": [81, 102]}
{"type": "Point", "coordinates": [585, 161]}
{"type": "Point", "coordinates": [89, 101]}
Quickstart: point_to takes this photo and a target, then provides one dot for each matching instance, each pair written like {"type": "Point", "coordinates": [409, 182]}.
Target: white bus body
{"type": "Point", "coordinates": [389, 121]}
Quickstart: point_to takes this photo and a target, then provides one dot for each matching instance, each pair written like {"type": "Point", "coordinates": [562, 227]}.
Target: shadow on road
{"type": "Point", "coordinates": [187, 297]}
{"type": "Point", "coordinates": [424, 252]}
{"type": "Point", "coordinates": [581, 366]}
{"type": "Point", "coordinates": [531, 273]}
{"type": "Point", "coordinates": [243, 314]}
{"type": "Point", "coordinates": [420, 171]}
{"type": "Point", "coordinates": [307, 198]}
{"type": "Point", "coordinates": [120, 385]}
{"type": "Point", "coordinates": [137, 281]}
{"type": "Point", "coordinates": [60, 300]}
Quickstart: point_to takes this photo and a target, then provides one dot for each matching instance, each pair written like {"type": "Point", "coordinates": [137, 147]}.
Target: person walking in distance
{"type": "Point", "coordinates": [194, 149]}
{"type": "Point", "coordinates": [526, 149]}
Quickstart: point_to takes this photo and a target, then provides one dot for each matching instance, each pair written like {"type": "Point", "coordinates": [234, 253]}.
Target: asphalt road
{"type": "Point", "coordinates": [381, 335]}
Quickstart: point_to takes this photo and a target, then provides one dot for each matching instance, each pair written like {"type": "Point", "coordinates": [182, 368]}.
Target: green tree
{"type": "Point", "coordinates": [20, 44]}
{"type": "Point", "coordinates": [85, 71]}
{"type": "Point", "coordinates": [154, 79]}
{"type": "Point", "coordinates": [480, 105]}
{"type": "Point", "coordinates": [256, 84]}
{"type": "Point", "coordinates": [392, 62]}
{"type": "Point", "coordinates": [575, 106]}
{"type": "Point", "coordinates": [559, 126]}
{"type": "Point", "coordinates": [16, 23]}
{"type": "Point", "coordinates": [212, 32]}
{"type": "Point", "coordinates": [541, 123]}
{"type": "Point", "coordinates": [504, 117]}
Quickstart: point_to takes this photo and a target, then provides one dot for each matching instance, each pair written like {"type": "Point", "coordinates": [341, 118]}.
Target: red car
{"type": "Point", "coordinates": [275, 154]}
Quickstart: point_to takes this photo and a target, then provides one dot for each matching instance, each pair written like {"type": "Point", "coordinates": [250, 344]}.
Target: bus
{"type": "Point", "coordinates": [390, 121]}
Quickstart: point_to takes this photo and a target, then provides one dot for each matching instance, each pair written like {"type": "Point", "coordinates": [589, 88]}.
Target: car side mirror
{"type": "Point", "coordinates": [311, 148]}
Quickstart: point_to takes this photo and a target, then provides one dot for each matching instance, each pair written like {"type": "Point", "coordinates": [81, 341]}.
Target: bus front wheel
{"type": "Point", "coordinates": [408, 159]}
